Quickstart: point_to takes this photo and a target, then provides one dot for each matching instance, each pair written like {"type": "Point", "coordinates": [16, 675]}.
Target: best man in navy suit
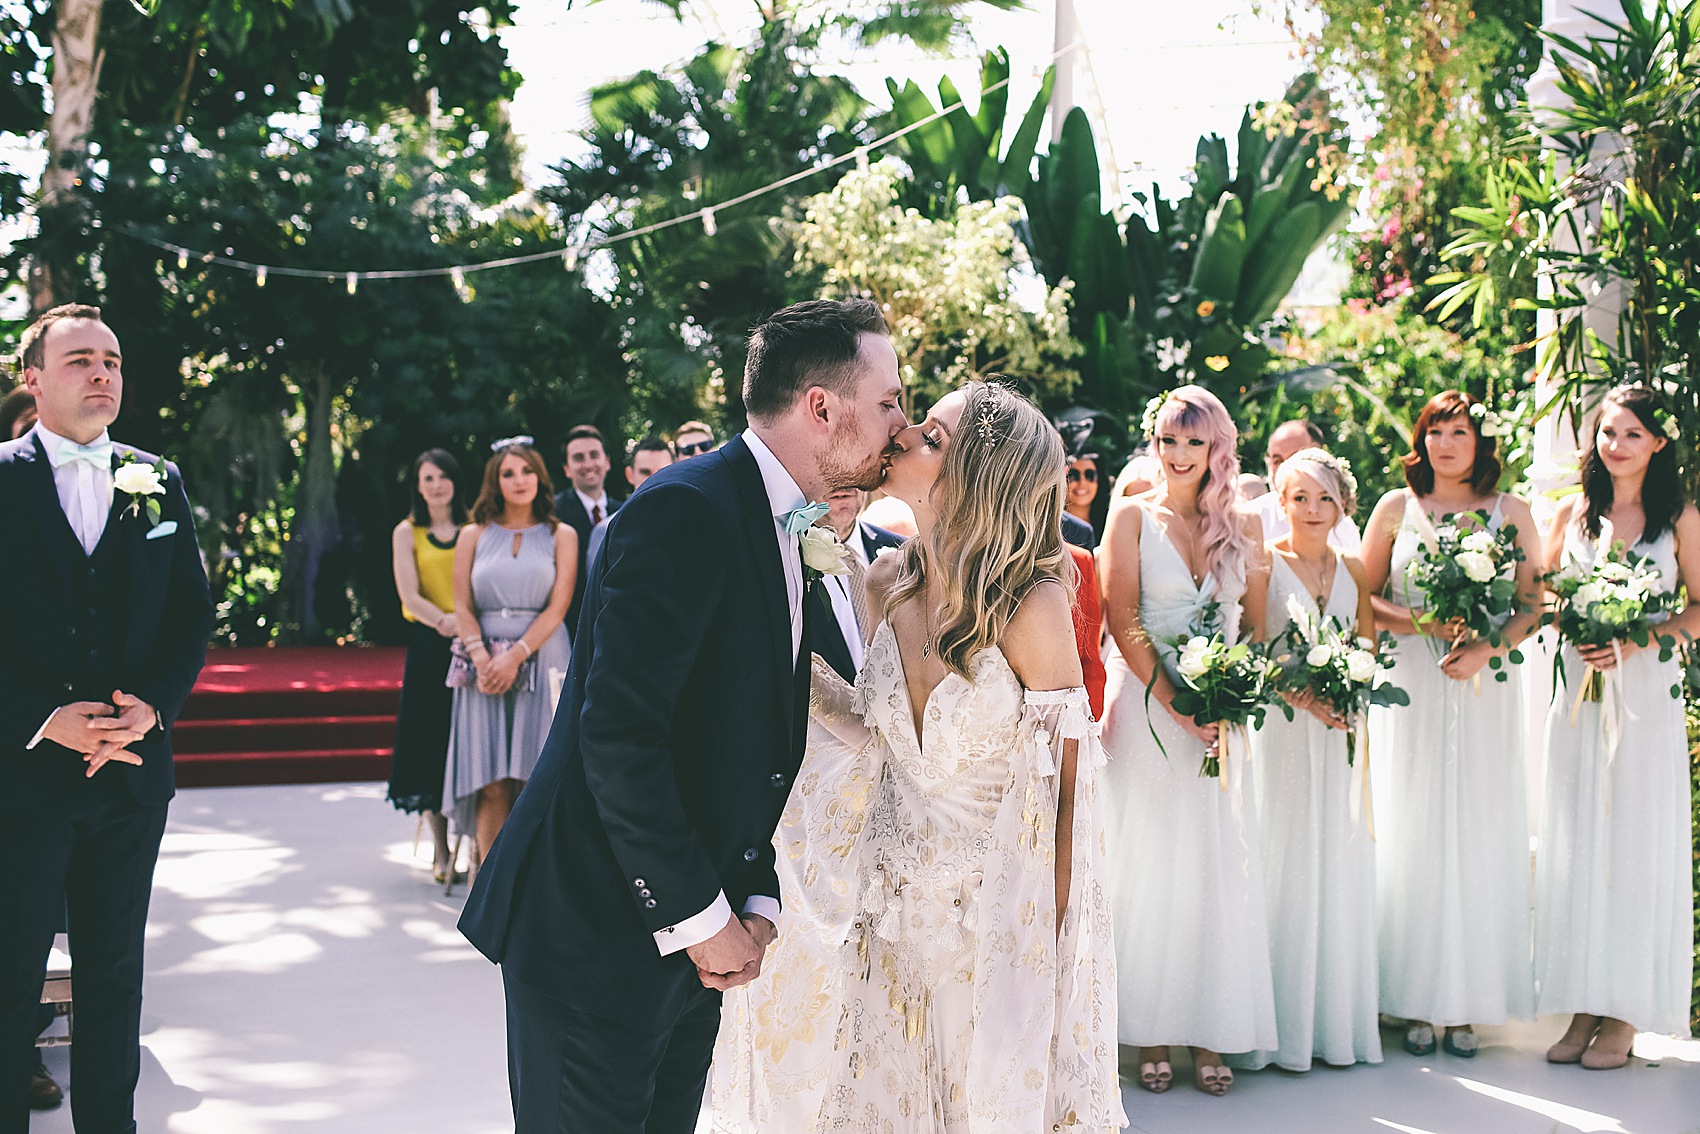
{"type": "Point", "coordinates": [97, 656]}
{"type": "Point", "coordinates": [840, 627]}
{"type": "Point", "coordinates": [634, 880]}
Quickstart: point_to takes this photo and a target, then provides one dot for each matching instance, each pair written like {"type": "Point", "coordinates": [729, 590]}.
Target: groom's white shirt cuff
{"type": "Point", "coordinates": [699, 928]}
{"type": "Point", "coordinates": [42, 731]}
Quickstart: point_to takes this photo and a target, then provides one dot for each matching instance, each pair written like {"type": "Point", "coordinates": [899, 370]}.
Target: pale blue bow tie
{"type": "Point", "coordinates": [98, 453]}
{"type": "Point", "coordinates": [799, 520]}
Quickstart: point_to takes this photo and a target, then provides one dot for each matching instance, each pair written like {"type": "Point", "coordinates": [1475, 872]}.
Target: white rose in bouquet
{"type": "Point", "coordinates": [1477, 565]}
{"type": "Point", "coordinates": [1588, 594]}
{"type": "Point", "coordinates": [1360, 665]}
{"type": "Point", "coordinates": [1478, 541]}
{"type": "Point", "coordinates": [1192, 661]}
{"type": "Point", "coordinates": [1319, 656]}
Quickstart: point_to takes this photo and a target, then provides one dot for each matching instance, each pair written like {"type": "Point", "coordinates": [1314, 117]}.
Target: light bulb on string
{"type": "Point", "coordinates": [353, 282]}
{"type": "Point", "coordinates": [569, 258]}
{"type": "Point", "coordinates": [458, 278]}
{"type": "Point", "coordinates": [182, 258]}
{"type": "Point", "coordinates": [709, 228]}
{"type": "Point", "coordinates": [862, 158]}
{"type": "Point", "coordinates": [260, 276]}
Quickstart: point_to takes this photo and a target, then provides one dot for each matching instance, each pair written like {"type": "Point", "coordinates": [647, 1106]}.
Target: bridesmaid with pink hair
{"type": "Point", "coordinates": [1184, 877]}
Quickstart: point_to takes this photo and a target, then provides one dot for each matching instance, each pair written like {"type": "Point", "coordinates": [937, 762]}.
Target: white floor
{"type": "Point", "coordinates": [304, 975]}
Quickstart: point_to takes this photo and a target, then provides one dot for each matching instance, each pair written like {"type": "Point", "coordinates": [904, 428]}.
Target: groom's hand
{"type": "Point", "coordinates": [728, 959]}
{"type": "Point", "coordinates": [88, 726]}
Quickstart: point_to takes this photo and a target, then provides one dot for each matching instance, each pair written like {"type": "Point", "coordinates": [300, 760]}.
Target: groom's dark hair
{"type": "Point", "coordinates": [815, 343]}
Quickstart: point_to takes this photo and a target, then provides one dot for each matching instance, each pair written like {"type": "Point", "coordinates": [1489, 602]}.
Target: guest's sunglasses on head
{"type": "Point", "coordinates": [1090, 476]}
{"type": "Point", "coordinates": [693, 448]}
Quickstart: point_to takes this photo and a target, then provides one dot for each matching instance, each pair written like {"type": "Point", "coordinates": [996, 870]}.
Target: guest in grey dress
{"type": "Point", "coordinates": [514, 568]}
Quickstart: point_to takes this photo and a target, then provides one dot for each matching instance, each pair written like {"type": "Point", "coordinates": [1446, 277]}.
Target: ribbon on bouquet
{"type": "Point", "coordinates": [1232, 769]}
{"type": "Point", "coordinates": [1363, 807]}
{"type": "Point", "coordinates": [1614, 709]}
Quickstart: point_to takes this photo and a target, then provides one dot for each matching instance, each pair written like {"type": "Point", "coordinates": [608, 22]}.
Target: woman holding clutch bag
{"type": "Point", "coordinates": [514, 568]}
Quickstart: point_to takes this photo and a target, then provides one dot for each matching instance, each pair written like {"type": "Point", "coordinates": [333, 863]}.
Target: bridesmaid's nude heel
{"type": "Point", "coordinates": [1156, 1075]}
{"type": "Point", "coordinates": [1576, 1040]}
{"type": "Point", "coordinates": [1211, 1078]}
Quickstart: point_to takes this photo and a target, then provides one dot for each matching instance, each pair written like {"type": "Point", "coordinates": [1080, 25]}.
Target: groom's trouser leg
{"type": "Point", "coordinates": [572, 1072]}
{"type": "Point", "coordinates": [682, 1077]}
{"type": "Point", "coordinates": [35, 846]}
{"type": "Point", "coordinates": [107, 888]}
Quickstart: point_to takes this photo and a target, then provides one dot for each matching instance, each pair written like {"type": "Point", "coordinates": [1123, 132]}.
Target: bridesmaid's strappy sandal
{"type": "Point", "coordinates": [1211, 1078]}
{"type": "Point", "coordinates": [1156, 1076]}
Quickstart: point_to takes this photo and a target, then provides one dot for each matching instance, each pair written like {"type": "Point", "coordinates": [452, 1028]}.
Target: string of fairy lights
{"type": "Point", "coordinates": [571, 255]}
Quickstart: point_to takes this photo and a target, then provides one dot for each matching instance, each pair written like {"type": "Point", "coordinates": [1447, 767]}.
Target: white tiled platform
{"type": "Point", "coordinates": [304, 975]}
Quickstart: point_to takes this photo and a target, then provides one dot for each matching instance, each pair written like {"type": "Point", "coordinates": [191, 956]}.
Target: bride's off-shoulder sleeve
{"type": "Point", "coordinates": [1057, 715]}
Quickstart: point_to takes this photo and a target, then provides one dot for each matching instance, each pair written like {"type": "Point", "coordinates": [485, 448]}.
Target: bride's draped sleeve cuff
{"type": "Point", "coordinates": [1056, 715]}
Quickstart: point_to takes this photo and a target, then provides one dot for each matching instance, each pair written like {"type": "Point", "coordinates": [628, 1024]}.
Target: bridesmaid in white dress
{"type": "Point", "coordinates": [1185, 880]}
{"type": "Point", "coordinates": [1318, 854]}
{"type": "Point", "coordinates": [958, 976]}
{"type": "Point", "coordinates": [1614, 901]}
{"type": "Point", "coordinates": [1451, 823]}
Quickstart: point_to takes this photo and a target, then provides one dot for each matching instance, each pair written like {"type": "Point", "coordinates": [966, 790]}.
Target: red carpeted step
{"type": "Point", "coordinates": [281, 734]}
{"type": "Point", "coordinates": [322, 766]}
{"type": "Point", "coordinates": [290, 715]}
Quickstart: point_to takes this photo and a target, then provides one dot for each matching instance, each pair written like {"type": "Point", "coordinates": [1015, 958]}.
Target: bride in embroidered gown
{"type": "Point", "coordinates": [945, 964]}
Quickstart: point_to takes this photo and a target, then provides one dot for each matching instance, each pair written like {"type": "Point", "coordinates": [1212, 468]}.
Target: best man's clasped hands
{"type": "Point", "coordinates": [102, 732]}
{"type": "Point", "coordinates": [733, 956]}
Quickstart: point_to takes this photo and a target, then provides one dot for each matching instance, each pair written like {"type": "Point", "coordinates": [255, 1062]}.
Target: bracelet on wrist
{"type": "Point", "coordinates": [527, 645]}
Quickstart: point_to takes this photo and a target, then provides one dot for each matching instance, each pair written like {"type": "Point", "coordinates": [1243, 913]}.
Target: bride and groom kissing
{"type": "Point", "coordinates": [942, 845]}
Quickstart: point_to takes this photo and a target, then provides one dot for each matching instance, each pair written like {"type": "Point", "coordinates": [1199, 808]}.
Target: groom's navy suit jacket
{"type": "Point", "coordinates": [135, 615]}
{"type": "Point", "coordinates": [677, 737]}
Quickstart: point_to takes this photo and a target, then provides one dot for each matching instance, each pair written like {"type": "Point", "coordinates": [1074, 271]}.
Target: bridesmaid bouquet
{"type": "Point", "coordinates": [1609, 602]}
{"type": "Point", "coordinates": [1324, 658]}
{"type": "Point", "coordinates": [1468, 575]}
{"type": "Point", "coordinates": [1230, 684]}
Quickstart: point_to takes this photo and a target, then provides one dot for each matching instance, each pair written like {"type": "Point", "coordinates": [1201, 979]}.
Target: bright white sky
{"type": "Point", "coordinates": [1161, 72]}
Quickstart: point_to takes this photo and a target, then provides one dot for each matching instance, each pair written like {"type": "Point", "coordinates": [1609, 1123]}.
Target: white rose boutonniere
{"type": "Point", "coordinates": [823, 554]}
{"type": "Point", "coordinates": [142, 484]}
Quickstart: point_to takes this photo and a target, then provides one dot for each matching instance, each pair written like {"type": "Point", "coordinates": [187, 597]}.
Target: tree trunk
{"type": "Point", "coordinates": [76, 80]}
{"type": "Point", "coordinates": [315, 530]}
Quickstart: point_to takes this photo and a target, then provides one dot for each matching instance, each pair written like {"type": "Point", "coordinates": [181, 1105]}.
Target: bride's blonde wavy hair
{"type": "Point", "coordinates": [999, 501]}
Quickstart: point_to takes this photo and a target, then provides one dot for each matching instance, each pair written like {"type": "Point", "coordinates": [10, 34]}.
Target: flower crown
{"type": "Point", "coordinates": [1148, 423]}
{"type": "Point", "coordinates": [1667, 423]}
{"type": "Point", "coordinates": [1488, 423]}
{"type": "Point", "coordinates": [1319, 456]}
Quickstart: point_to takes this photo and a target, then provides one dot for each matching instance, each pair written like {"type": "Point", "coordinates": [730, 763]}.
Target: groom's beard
{"type": "Point", "coordinates": [838, 470]}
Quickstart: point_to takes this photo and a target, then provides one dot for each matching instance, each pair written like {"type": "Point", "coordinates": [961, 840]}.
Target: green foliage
{"type": "Point", "coordinates": [1188, 291]}
{"type": "Point", "coordinates": [947, 286]}
{"type": "Point", "coordinates": [667, 143]}
{"type": "Point", "coordinates": [1436, 80]}
{"type": "Point", "coordinates": [963, 154]}
{"type": "Point", "coordinates": [1615, 208]}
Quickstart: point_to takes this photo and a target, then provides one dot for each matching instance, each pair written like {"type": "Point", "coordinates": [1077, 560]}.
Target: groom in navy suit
{"type": "Point", "coordinates": [97, 655]}
{"type": "Point", "coordinates": [634, 880]}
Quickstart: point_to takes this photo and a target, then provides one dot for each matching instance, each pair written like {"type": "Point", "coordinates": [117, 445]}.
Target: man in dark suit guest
{"type": "Point", "coordinates": [584, 503]}
{"type": "Point", "coordinates": [648, 457]}
{"type": "Point", "coordinates": [94, 669]}
{"type": "Point", "coordinates": [841, 627]}
{"type": "Point", "coordinates": [634, 880]}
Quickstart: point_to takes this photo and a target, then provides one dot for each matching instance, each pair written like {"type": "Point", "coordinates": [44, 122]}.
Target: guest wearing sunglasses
{"type": "Point", "coordinates": [692, 439]}
{"type": "Point", "coordinates": [1087, 501]}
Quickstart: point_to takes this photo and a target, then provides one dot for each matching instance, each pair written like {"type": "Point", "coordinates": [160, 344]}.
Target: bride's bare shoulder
{"type": "Point", "coordinates": [882, 575]}
{"type": "Point", "coordinates": [1039, 641]}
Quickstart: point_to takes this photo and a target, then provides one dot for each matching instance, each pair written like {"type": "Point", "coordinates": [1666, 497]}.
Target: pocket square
{"type": "Point", "coordinates": [163, 530]}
